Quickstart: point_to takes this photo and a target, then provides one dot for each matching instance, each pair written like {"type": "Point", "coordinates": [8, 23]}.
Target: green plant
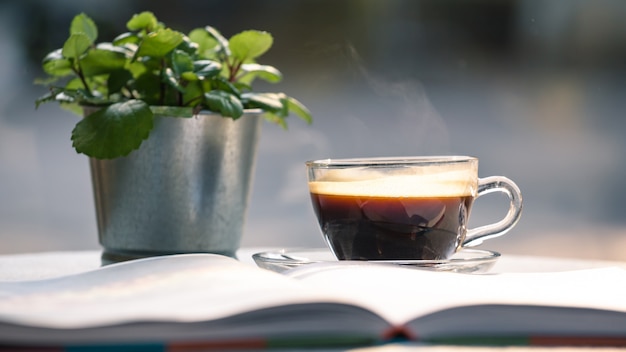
{"type": "Point", "coordinates": [154, 70]}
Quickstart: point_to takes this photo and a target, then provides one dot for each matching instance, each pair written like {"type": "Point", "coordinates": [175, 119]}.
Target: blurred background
{"type": "Point", "coordinates": [535, 89]}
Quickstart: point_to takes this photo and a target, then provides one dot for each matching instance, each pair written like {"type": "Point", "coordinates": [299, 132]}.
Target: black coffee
{"type": "Point", "coordinates": [392, 228]}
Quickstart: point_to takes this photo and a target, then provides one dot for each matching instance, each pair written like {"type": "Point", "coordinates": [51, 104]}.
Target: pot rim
{"type": "Point", "coordinates": [256, 111]}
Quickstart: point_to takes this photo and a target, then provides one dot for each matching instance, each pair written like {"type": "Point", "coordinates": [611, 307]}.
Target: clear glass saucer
{"type": "Point", "coordinates": [464, 261]}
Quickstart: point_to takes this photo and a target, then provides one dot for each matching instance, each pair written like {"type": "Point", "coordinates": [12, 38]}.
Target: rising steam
{"type": "Point", "coordinates": [422, 127]}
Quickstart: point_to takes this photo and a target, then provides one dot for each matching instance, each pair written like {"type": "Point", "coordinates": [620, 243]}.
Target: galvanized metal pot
{"type": "Point", "coordinates": [185, 190]}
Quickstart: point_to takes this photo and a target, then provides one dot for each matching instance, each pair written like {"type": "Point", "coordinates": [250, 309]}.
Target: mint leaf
{"type": "Point", "coordinates": [169, 77]}
{"type": "Point", "coordinates": [126, 38]}
{"type": "Point", "coordinates": [276, 119]}
{"type": "Point", "coordinates": [145, 20]}
{"type": "Point", "coordinates": [277, 106]}
{"type": "Point", "coordinates": [56, 65]}
{"type": "Point", "coordinates": [265, 101]}
{"type": "Point", "coordinates": [189, 76]}
{"type": "Point", "coordinates": [249, 45]}
{"type": "Point", "coordinates": [85, 25]}
{"type": "Point", "coordinates": [118, 80]}
{"type": "Point", "coordinates": [225, 103]}
{"type": "Point", "coordinates": [148, 87]}
{"type": "Point", "coordinates": [74, 84]}
{"type": "Point", "coordinates": [51, 96]}
{"type": "Point", "coordinates": [181, 62]}
{"type": "Point", "coordinates": [75, 95]}
{"type": "Point", "coordinates": [106, 58]}
{"type": "Point", "coordinates": [188, 46]}
{"type": "Point", "coordinates": [137, 68]}
{"type": "Point", "coordinates": [242, 86]}
{"type": "Point", "coordinates": [73, 108]}
{"type": "Point", "coordinates": [222, 42]}
{"type": "Point", "coordinates": [194, 93]}
{"type": "Point", "coordinates": [206, 43]}
{"type": "Point", "coordinates": [113, 131]}
{"type": "Point", "coordinates": [265, 72]}
{"type": "Point", "coordinates": [159, 43]}
{"type": "Point", "coordinates": [206, 68]}
{"type": "Point", "coordinates": [76, 45]}
{"type": "Point", "coordinates": [299, 109]}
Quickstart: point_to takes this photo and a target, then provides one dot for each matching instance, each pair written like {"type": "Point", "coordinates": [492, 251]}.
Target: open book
{"type": "Point", "coordinates": [200, 301]}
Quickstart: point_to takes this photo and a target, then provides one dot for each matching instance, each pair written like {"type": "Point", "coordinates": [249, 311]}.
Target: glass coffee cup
{"type": "Point", "coordinates": [404, 208]}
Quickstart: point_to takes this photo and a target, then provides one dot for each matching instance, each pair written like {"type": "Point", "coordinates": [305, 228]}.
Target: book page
{"type": "Point", "coordinates": [218, 297]}
{"type": "Point", "coordinates": [403, 294]}
{"type": "Point", "coordinates": [194, 287]}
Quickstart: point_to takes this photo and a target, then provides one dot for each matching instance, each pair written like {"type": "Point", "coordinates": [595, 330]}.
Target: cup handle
{"type": "Point", "coordinates": [488, 185]}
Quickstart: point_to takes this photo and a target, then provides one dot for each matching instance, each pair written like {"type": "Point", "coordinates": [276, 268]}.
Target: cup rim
{"type": "Point", "coordinates": [393, 160]}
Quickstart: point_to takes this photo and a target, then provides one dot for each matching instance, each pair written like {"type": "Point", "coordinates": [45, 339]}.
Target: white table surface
{"type": "Point", "coordinates": [33, 266]}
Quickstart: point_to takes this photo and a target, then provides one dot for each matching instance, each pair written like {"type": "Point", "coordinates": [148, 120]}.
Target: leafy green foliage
{"type": "Point", "coordinates": [85, 25]}
{"type": "Point", "coordinates": [76, 45]}
{"type": "Point", "coordinates": [145, 20]}
{"type": "Point", "coordinates": [249, 45]}
{"type": "Point", "coordinates": [160, 43]}
{"type": "Point", "coordinates": [56, 65]}
{"type": "Point", "coordinates": [113, 131]}
{"type": "Point", "coordinates": [154, 70]}
{"type": "Point", "coordinates": [226, 103]}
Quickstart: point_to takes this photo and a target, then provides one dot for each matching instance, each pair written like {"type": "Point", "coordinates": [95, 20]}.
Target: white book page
{"type": "Point", "coordinates": [206, 287]}
{"type": "Point", "coordinates": [402, 294]}
{"type": "Point", "coordinates": [177, 288]}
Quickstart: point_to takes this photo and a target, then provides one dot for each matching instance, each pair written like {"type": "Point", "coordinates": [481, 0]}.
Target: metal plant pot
{"type": "Point", "coordinates": [185, 190]}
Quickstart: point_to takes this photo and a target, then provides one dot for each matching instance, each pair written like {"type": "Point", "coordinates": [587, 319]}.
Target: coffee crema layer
{"type": "Point", "coordinates": [449, 184]}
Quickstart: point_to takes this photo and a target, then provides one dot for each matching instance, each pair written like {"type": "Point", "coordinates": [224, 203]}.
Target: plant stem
{"type": "Point", "coordinates": [81, 76]}
{"type": "Point", "coordinates": [191, 101]}
{"type": "Point", "coordinates": [162, 85]}
{"type": "Point", "coordinates": [234, 69]}
{"type": "Point", "coordinates": [184, 83]}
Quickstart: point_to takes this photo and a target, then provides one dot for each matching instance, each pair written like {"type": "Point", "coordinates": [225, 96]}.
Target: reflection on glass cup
{"type": "Point", "coordinates": [404, 208]}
